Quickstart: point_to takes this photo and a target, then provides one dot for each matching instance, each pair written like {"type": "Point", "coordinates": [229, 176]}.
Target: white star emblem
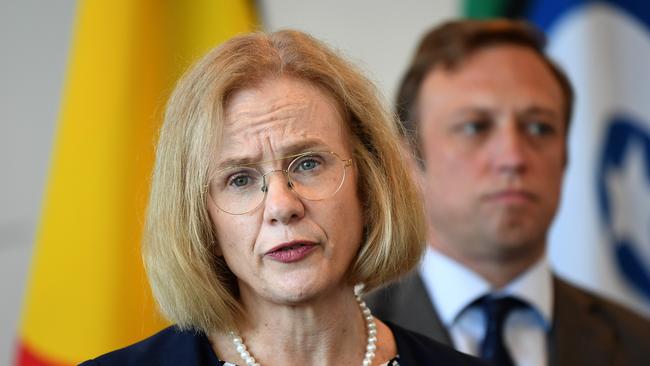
{"type": "Point", "coordinates": [630, 202]}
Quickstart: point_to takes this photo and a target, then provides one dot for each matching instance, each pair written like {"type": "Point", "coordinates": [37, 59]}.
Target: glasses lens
{"type": "Point", "coordinates": [237, 190]}
{"type": "Point", "coordinates": [314, 176]}
{"type": "Point", "coordinates": [317, 175]}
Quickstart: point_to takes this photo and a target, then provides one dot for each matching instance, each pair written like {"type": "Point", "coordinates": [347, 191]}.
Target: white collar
{"type": "Point", "coordinates": [452, 286]}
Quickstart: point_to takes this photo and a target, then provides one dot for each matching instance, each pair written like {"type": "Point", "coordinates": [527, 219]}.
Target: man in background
{"type": "Point", "coordinates": [487, 114]}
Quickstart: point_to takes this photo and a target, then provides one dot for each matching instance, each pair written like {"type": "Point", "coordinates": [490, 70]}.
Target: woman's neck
{"type": "Point", "coordinates": [325, 331]}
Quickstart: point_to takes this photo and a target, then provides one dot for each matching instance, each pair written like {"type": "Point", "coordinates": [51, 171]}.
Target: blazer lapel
{"type": "Point", "coordinates": [579, 336]}
{"type": "Point", "coordinates": [416, 312]}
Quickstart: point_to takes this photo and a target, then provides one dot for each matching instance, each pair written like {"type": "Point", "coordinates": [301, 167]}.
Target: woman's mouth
{"type": "Point", "coordinates": [291, 251]}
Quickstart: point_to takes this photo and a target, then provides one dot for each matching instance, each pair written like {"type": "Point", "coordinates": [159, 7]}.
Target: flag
{"type": "Point", "coordinates": [601, 236]}
{"type": "Point", "coordinates": [87, 293]}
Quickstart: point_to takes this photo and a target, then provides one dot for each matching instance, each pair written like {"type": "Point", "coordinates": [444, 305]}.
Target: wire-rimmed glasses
{"type": "Point", "coordinates": [312, 175]}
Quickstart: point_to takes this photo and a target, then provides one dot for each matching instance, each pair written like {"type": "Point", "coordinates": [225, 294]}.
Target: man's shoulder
{"type": "Point", "coordinates": [416, 349]}
{"type": "Point", "coordinates": [170, 346]}
{"type": "Point", "coordinates": [606, 310]}
{"type": "Point", "coordinates": [407, 304]}
{"type": "Point", "coordinates": [385, 298]}
{"type": "Point", "coordinates": [589, 329]}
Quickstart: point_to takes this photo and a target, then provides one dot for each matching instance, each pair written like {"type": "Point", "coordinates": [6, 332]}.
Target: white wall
{"type": "Point", "coordinates": [34, 40]}
{"type": "Point", "coordinates": [379, 35]}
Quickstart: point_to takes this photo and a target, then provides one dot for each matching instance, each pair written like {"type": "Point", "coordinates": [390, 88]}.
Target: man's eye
{"type": "Point", "coordinates": [474, 128]}
{"type": "Point", "coordinates": [539, 128]}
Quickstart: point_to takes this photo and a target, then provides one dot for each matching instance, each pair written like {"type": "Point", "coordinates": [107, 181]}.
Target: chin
{"type": "Point", "coordinates": [298, 288]}
{"type": "Point", "coordinates": [513, 224]}
{"type": "Point", "coordinates": [515, 244]}
{"type": "Point", "coordinates": [294, 297]}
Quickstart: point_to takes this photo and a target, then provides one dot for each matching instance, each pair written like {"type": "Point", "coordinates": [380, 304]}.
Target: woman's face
{"type": "Point", "coordinates": [289, 250]}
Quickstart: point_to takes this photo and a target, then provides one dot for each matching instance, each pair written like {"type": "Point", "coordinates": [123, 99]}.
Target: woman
{"type": "Point", "coordinates": [278, 187]}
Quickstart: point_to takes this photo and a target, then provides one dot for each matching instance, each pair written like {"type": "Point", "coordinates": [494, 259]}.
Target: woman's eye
{"type": "Point", "coordinates": [240, 180]}
{"type": "Point", "coordinates": [308, 164]}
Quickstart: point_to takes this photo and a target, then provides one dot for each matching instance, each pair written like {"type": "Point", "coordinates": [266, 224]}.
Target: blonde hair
{"type": "Point", "coordinates": [193, 286]}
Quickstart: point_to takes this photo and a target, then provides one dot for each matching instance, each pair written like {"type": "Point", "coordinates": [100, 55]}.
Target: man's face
{"type": "Point", "coordinates": [493, 140]}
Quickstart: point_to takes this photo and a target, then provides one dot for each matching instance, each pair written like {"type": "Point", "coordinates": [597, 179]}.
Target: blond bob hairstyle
{"type": "Point", "coordinates": [191, 282]}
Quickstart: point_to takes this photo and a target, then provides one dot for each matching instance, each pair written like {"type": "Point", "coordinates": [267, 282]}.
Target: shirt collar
{"type": "Point", "coordinates": [535, 286]}
{"type": "Point", "coordinates": [452, 286]}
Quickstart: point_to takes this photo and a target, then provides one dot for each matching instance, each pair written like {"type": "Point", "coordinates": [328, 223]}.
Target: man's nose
{"type": "Point", "coordinates": [510, 149]}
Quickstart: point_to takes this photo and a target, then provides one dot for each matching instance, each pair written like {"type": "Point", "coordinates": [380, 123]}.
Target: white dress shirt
{"type": "Point", "coordinates": [452, 287]}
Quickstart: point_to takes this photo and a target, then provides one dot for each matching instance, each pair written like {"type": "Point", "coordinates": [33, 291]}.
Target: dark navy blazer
{"type": "Point", "coordinates": [172, 346]}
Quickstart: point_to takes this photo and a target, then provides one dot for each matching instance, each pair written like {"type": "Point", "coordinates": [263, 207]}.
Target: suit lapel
{"type": "Point", "coordinates": [579, 336]}
{"type": "Point", "coordinates": [417, 311]}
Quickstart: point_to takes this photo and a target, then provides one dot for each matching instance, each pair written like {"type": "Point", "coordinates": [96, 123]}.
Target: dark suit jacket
{"type": "Point", "coordinates": [587, 329]}
{"type": "Point", "coordinates": [173, 347]}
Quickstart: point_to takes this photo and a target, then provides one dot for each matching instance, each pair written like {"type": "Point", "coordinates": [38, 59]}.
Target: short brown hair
{"type": "Point", "coordinates": [453, 42]}
{"type": "Point", "coordinates": [193, 285]}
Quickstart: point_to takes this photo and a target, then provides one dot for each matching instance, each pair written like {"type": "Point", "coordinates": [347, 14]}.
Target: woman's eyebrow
{"type": "Point", "coordinates": [289, 150]}
{"type": "Point", "coordinates": [303, 146]}
{"type": "Point", "coordinates": [236, 161]}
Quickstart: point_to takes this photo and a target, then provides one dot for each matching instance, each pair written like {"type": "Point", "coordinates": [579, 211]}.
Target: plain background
{"type": "Point", "coordinates": [378, 35]}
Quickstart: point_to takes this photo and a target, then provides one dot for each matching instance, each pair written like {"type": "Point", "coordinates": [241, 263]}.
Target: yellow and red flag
{"type": "Point", "coordinates": [87, 293]}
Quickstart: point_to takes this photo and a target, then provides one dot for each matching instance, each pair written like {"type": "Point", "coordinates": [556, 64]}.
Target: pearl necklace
{"type": "Point", "coordinates": [245, 355]}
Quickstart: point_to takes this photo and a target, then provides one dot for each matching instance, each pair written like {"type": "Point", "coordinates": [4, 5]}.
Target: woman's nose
{"type": "Point", "coordinates": [282, 204]}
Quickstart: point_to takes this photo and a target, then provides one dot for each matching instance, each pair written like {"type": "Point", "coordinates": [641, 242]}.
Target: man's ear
{"type": "Point", "coordinates": [414, 163]}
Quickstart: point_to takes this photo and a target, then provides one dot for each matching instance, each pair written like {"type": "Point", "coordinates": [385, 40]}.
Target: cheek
{"type": "Point", "coordinates": [345, 220]}
{"type": "Point", "coordinates": [449, 171]}
{"type": "Point", "coordinates": [553, 163]}
{"type": "Point", "coordinates": [451, 181]}
{"type": "Point", "coordinates": [237, 245]}
{"type": "Point", "coordinates": [553, 182]}
{"type": "Point", "coordinates": [233, 233]}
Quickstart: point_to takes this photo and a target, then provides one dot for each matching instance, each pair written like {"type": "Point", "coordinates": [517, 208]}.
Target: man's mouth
{"type": "Point", "coordinates": [511, 196]}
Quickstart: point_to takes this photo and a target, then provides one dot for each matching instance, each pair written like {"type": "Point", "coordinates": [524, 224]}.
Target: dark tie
{"type": "Point", "coordinates": [493, 348]}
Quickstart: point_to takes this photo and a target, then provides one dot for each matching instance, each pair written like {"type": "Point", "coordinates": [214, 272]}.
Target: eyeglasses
{"type": "Point", "coordinates": [314, 176]}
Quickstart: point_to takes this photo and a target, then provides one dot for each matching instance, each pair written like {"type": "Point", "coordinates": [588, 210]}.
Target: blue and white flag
{"type": "Point", "coordinates": [601, 236]}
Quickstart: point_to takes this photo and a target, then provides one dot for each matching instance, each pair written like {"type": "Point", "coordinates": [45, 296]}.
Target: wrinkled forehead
{"type": "Point", "coordinates": [278, 115]}
{"type": "Point", "coordinates": [273, 89]}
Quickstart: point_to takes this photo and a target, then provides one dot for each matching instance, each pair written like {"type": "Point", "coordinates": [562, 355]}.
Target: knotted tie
{"type": "Point", "coordinates": [493, 348]}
